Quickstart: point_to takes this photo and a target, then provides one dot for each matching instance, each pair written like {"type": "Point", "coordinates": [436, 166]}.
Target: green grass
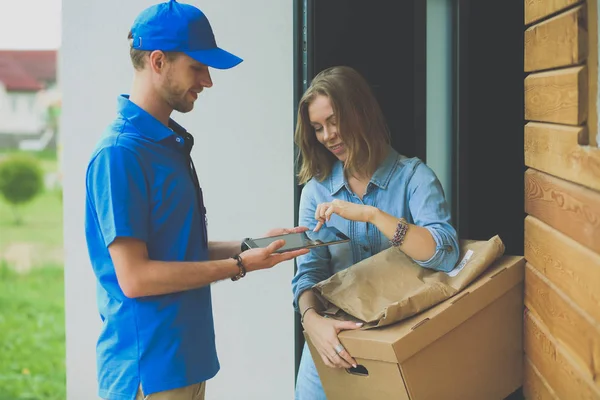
{"type": "Point", "coordinates": [32, 327]}
{"type": "Point", "coordinates": [40, 155]}
{"type": "Point", "coordinates": [42, 221]}
{"type": "Point", "coordinates": [32, 334]}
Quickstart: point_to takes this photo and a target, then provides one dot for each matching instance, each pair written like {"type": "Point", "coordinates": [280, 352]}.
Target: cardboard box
{"type": "Point", "coordinates": [467, 347]}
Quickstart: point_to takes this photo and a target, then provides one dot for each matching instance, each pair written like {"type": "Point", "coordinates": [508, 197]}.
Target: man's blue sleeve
{"type": "Point", "coordinates": [118, 190]}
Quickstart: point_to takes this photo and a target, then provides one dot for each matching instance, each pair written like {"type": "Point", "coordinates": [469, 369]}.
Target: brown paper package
{"type": "Point", "coordinates": [389, 286]}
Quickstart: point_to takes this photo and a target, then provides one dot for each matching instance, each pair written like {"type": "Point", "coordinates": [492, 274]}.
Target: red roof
{"type": "Point", "coordinates": [27, 70]}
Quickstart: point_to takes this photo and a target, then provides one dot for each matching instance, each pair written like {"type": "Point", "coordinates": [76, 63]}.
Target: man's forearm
{"type": "Point", "coordinates": [223, 250]}
{"type": "Point", "coordinates": [162, 277]}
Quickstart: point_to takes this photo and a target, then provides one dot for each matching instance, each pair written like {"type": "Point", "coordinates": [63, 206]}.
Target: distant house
{"type": "Point", "coordinates": [29, 99]}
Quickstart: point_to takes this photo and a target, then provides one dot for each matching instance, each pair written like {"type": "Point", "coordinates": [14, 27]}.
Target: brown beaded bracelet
{"type": "Point", "coordinates": [400, 233]}
{"type": "Point", "coordinates": [241, 266]}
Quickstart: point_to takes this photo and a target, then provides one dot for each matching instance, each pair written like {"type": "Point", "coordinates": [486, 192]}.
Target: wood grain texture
{"type": "Point", "coordinates": [557, 96]}
{"type": "Point", "coordinates": [554, 364]}
{"type": "Point", "coordinates": [566, 322]}
{"type": "Point", "coordinates": [570, 266]}
{"type": "Point", "coordinates": [535, 10]}
{"type": "Point", "coordinates": [535, 386]}
{"type": "Point", "coordinates": [557, 42]}
{"type": "Point", "coordinates": [561, 150]}
{"type": "Point", "coordinates": [571, 209]}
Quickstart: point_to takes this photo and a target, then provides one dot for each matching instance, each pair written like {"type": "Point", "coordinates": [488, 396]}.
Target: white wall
{"type": "Point", "coordinates": [244, 156]}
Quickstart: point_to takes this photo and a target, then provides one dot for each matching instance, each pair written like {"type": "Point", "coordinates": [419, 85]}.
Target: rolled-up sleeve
{"type": "Point", "coordinates": [430, 210]}
{"type": "Point", "coordinates": [313, 267]}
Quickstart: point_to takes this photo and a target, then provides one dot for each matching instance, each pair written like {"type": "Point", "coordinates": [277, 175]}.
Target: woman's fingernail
{"type": "Point", "coordinates": [354, 365]}
{"type": "Point", "coordinates": [359, 324]}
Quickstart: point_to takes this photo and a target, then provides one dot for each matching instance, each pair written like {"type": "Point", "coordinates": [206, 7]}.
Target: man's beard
{"type": "Point", "coordinates": [176, 97]}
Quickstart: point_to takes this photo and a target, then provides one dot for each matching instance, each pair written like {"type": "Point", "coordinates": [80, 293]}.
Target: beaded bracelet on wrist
{"type": "Point", "coordinates": [241, 267]}
{"type": "Point", "coordinates": [400, 233]}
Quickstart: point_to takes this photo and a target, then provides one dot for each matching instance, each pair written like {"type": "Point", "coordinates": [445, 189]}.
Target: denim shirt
{"type": "Point", "coordinates": [401, 186]}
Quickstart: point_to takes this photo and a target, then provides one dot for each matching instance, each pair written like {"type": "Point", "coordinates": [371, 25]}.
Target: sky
{"type": "Point", "coordinates": [30, 24]}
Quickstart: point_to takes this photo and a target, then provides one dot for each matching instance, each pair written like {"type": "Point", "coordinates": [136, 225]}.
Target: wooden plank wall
{"type": "Point", "coordinates": [562, 200]}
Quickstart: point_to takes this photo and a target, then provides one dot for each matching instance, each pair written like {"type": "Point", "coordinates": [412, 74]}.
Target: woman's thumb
{"type": "Point", "coordinates": [345, 325]}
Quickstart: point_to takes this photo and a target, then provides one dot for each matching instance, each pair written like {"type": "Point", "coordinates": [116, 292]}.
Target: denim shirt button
{"type": "Point", "coordinates": [448, 248]}
{"type": "Point", "coordinates": [365, 248]}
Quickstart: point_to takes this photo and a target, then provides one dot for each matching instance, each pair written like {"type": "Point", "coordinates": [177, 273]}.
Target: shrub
{"type": "Point", "coordinates": [21, 180]}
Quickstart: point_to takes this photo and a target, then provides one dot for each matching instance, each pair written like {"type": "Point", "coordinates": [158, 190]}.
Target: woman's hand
{"type": "Point", "coordinates": [323, 333]}
{"type": "Point", "coordinates": [345, 209]}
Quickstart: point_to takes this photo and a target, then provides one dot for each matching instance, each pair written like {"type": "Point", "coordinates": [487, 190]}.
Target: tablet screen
{"type": "Point", "coordinates": [325, 236]}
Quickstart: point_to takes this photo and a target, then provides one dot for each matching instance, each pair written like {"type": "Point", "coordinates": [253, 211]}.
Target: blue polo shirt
{"type": "Point", "coordinates": [138, 185]}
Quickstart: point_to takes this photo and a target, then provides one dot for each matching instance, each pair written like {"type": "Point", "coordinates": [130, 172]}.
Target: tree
{"type": "Point", "coordinates": [21, 180]}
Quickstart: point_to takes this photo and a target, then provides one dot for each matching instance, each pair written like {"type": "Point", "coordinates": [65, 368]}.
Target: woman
{"type": "Point", "coordinates": [357, 183]}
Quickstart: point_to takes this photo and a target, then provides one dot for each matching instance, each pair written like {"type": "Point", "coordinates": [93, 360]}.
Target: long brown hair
{"type": "Point", "coordinates": [361, 125]}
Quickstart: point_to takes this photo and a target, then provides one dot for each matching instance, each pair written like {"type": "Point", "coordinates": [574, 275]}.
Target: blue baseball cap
{"type": "Point", "coordinates": [172, 26]}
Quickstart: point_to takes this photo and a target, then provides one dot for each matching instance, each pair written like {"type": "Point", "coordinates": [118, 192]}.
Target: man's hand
{"type": "Point", "coordinates": [284, 231]}
{"type": "Point", "coordinates": [263, 258]}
